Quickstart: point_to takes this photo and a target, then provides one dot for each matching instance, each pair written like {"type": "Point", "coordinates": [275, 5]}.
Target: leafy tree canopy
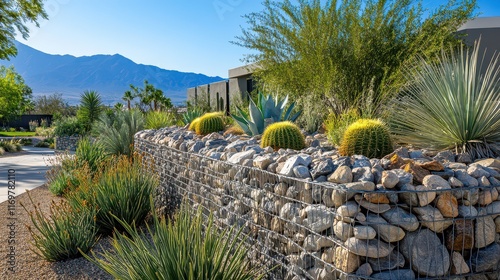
{"type": "Point", "coordinates": [151, 98]}
{"type": "Point", "coordinates": [346, 53]}
{"type": "Point", "coordinates": [14, 15]}
{"type": "Point", "coordinates": [15, 96]}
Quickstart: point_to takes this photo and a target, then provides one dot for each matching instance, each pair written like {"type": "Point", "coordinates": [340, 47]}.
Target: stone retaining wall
{"type": "Point", "coordinates": [66, 143]}
{"type": "Point", "coordinates": [391, 224]}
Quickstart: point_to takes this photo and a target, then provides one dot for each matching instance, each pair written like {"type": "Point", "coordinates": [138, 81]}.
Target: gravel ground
{"type": "Point", "coordinates": [29, 265]}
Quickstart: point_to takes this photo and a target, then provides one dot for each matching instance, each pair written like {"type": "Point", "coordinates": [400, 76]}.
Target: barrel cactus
{"type": "Point", "coordinates": [284, 135]}
{"type": "Point", "coordinates": [368, 137]}
{"type": "Point", "coordinates": [194, 123]}
{"type": "Point", "coordinates": [208, 123]}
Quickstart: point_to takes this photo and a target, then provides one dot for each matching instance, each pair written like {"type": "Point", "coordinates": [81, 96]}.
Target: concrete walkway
{"type": "Point", "coordinates": [29, 166]}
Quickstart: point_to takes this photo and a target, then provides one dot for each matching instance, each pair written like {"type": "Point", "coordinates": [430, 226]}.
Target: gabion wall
{"type": "Point", "coordinates": [339, 231]}
{"type": "Point", "coordinates": [66, 143]}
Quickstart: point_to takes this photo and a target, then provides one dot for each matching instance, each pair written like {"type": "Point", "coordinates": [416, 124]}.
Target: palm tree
{"type": "Point", "coordinates": [128, 96]}
{"type": "Point", "coordinates": [90, 108]}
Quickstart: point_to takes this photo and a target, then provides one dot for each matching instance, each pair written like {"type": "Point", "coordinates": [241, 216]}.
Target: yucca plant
{"type": "Point", "coordinates": [191, 114]}
{"type": "Point", "coordinates": [123, 190]}
{"type": "Point", "coordinates": [65, 234]}
{"type": "Point", "coordinates": [116, 132]}
{"type": "Point", "coordinates": [265, 112]}
{"type": "Point", "coordinates": [187, 248]}
{"type": "Point", "coordinates": [90, 109]}
{"type": "Point", "coordinates": [158, 119]}
{"type": "Point", "coordinates": [451, 104]}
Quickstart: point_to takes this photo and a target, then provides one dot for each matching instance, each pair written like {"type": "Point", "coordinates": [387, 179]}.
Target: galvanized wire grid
{"type": "Point", "coordinates": [284, 219]}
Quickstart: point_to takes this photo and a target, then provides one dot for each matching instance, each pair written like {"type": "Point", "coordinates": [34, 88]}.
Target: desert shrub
{"type": "Point", "coordinates": [91, 154]}
{"type": "Point", "coordinates": [186, 248]}
{"type": "Point", "coordinates": [451, 104]}
{"type": "Point", "coordinates": [235, 130]}
{"type": "Point", "coordinates": [2, 151]}
{"type": "Point", "coordinates": [90, 109]}
{"type": "Point", "coordinates": [284, 135]}
{"type": "Point", "coordinates": [69, 126]}
{"type": "Point", "coordinates": [26, 141]}
{"type": "Point", "coordinates": [64, 233]}
{"type": "Point", "coordinates": [368, 137]}
{"type": "Point", "coordinates": [156, 119]}
{"type": "Point", "coordinates": [63, 182]}
{"type": "Point", "coordinates": [116, 132]}
{"type": "Point", "coordinates": [336, 125]}
{"type": "Point", "coordinates": [122, 191]}
{"type": "Point", "coordinates": [45, 131]}
{"type": "Point", "coordinates": [191, 114]}
{"type": "Point", "coordinates": [33, 125]}
{"type": "Point", "coordinates": [11, 146]}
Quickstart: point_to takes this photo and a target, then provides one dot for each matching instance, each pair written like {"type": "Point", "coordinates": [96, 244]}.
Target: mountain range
{"type": "Point", "coordinates": [110, 75]}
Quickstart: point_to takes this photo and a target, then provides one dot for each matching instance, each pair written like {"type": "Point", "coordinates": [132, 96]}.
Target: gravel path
{"type": "Point", "coordinates": [28, 265]}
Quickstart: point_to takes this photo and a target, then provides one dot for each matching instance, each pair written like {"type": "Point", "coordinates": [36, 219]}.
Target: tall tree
{"type": "Point", "coordinates": [128, 96]}
{"type": "Point", "coordinates": [151, 98]}
{"type": "Point", "coordinates": [14, 16]}
{"type": "Point", "coordinates": [15, 96]}
{"type": "Point", "coordinates": [51, 104]}
{"type": "Point", "coordinates": [344, 52]}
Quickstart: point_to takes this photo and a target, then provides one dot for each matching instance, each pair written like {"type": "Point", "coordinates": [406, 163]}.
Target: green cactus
{"type": "Point", "coordinates": [368, 137]}
{"type": "Point", "coordinates": [284, 135]}
{"type": "Point", "coordinates": [194, 123]}
{"type": "Point", "coordinates": [210, 122]}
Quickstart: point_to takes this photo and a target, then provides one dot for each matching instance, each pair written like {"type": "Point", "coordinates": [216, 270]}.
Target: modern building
{"type": "Point", "coordinates": [219, 94]}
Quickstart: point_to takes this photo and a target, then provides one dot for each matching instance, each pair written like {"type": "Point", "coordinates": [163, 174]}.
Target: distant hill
{"type": "Point", "coordinates": [110, 75]}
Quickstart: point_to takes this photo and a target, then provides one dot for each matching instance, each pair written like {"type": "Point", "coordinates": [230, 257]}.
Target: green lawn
{"type": "Point", "coordinates": [17, 134]}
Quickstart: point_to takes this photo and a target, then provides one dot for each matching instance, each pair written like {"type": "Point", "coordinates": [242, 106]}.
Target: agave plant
{"type": "Point", "coordinates": [191, 114]}
{"type": "Point", "coordinates": [452, 105]}
{"type": "Point", "coordinates": [265, 112]}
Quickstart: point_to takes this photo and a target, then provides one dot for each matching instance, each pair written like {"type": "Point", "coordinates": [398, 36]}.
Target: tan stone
{"type": "Point", "coordinates": [418, 172]}
{"type": "Point", "coordinates": [485, 197]}
{"type": "Point", "coordinates": [432, 166]}
{"type": "Point", "coordinates": [489, 162]}
{"type": "Point", "coordinates": [458, 264]}
{"type": "Point", "coordinates": [460, 236]}
{"type": "Point", "coordinates": [345, 260]}
{"type": "Point", "coordinates": [447, 205]}
{"type": "Point", "coordinates": [378, 198]}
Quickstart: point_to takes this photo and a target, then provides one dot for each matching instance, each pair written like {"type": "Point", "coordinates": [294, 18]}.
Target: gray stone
{"type": "Point", "coordinates": [445, 174]}
{"type": "Point", "coordinates": [408, 195]}
{"type": "Point", "coordinates": [485, 259]}
{"type": "Point", "coordinates": [350, 209]}
{"type": "Point", "coordinates": [434, 182]}
{"type": "Point", "coordinates": [289, 211]}
{"type": "Point", "coordinates": [364, 232]}
{"type": "Point", "coordinates": [317, 217]}
{"type": "Point", "coordinates": [238, 158]}
{"type": "Point", "coordinates": [324, 167]}
{"type": "Point", "coordinates": [467, 211]}
{"type": "Point", "coordinates": [377, 173]}
{"type": "Point", "coordinates": [483, 181]}
{"type": "Point", "coordinates": [399, 217]}
{"type": "Point", "coordinates": [361, 174]}
{"type": "Point", "coordinates": [477, 171]}
{"type": "Point", "coordinates": [389, 179]}
{"type": "Point", "coordinates": [455, 183]}
{"type": "Point", "coordinates": [429, 257]}
{"type": "Point", "coordinates": [416, 154]}
{"type": "Point", "coordinates": [368, 248]}
{"type": "Point", "coordinates": [360, 186]}
{"type": "Point", "coordinates": [215, 143]}
{"type": "Point", "coordinates": [294, 161]}
{"type": "Point", "coordinates": [494, 182]}
{"type": "Point", "coordinates": [392, 261]}
{"type": "Point", "coordinates": [399, 274]}
{"type": "Point", "coordinates": [463, 158]}
{"type": "Point", "coordinates": [256, 148]}
{"type": "Point", "coordinates": [458, 264]}
{"type": "Point", "coordinates": [432, 218]}
{"type": "Point", "coordinates": [425, 195]}
{"type": "Point", "coordinates": [445, 156]}
{"type": "Point", "coordinates": [364, 270]}
{"type": "Point", "coordinates": [315, 242]}
{"type": "Point", "coordinates": [342, 175]}
{"type": "Point", "coordinates": [196, 147]}
{"type": "Point", "coordinates": [343, 231]}
{"type": "Point", "coordinates": [485, 231]}
{"type": "Point", "coordinates": [342, 161]}
{"type": "Point", "coordinates": [301, 172]}
{"type": "Point", "coordinates": [361, 161]}
{"type": "Point", "coordinates": [386, 231]}
{"type": "Point", "coordinates": [493, 209]}
{"type": "Point", "coordinates": [375, 208]}
{"type": "Point", "coordinates": [403, 177]}
{"type": "Point", "coordinates": [262, 162]}
{"type": "Point", "coordinates": [466, 179]}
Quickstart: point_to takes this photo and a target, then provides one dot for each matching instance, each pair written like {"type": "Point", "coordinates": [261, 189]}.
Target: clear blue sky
{"type": "Point", "coordinates": [185, 35]}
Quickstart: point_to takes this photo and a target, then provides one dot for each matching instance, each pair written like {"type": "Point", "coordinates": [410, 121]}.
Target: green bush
{"type": "Point", "coordinates": [452, 104]}
{"type": "Point", "coordinates": [336, 125]}
{"type": "Point", "coordinates": [11, 146]}
{"type": "Point", "coordinates": [90, 109]}
{"type": "Point", "coordinates": [69, 126]}
{"type": "Point", "coordinates": [45, 131]}
{"type": "Point", "coordinates": [156, 120]}
{"type": "Point", "coordinates": [65, 234]}
{"type": "Point", "coordinates": [209, 122]}
{"type": "Point", "coordinates": [2, 151]}
{"type": "Point", "coordinates": [91, 154]}
{"type": "Point", "coordinates": [368, 137]}
{"type": "Point", "coordinates": [284, 135]}
{"type": "Point", "coordinates": [122, 190]}
{"type": "Point", "coordinates": [116, 132]}
{"type": "Point", "coordinates": [186, 248]}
